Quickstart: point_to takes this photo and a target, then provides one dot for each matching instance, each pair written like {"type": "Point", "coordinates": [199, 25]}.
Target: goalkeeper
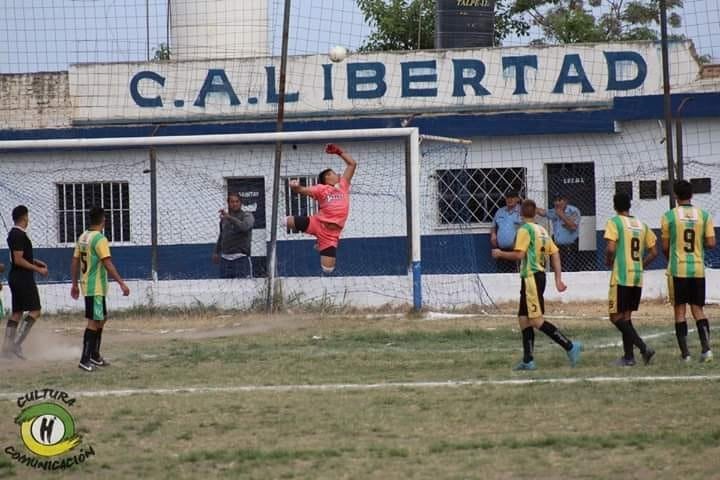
{"type": "Point", "coordinates": [332, 193]}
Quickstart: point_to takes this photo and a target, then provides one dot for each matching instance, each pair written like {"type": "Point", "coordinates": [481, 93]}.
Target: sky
{"type": "Point", "coordinates": [48, 35]}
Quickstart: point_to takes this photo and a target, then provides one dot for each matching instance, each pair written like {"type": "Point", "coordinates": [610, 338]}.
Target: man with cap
{"type": "Point", "coordinates": [565, 220]}
{"type": "Point", "coordinates": [505, 224]}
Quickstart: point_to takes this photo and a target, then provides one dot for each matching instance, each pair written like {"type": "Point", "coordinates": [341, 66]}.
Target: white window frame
{"type": "Point", "coordinates": [497, 191]}
{"type": "Point", "coordinates": [311, 205]}
{"type": "Point", "coordinates": [109, 210]}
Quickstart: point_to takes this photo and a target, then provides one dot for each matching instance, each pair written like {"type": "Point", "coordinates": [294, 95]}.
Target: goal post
{"type": "Point", "coordinates": [408, 136]}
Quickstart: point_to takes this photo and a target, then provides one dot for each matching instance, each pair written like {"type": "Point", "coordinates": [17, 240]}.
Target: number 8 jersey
{"type": "Point", "coordinates": [632, 238]}
{"type": "Point", "coordinates": [686, 227]}
{"type": "Point", "coordinates": [91, 248]}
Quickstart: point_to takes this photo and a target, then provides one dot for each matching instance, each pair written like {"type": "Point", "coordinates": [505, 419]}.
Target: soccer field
{"type": "Point", "coordinates": [215, 395]}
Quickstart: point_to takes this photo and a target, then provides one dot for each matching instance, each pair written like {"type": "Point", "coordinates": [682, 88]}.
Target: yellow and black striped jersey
{"type": "Point", "coordinates": [632, 238]}
{"type": "Point", "coordinates": [535, 241]}
{"type": "Point", "coordinates": [686, 227]}
{"type": "Point", "coordinates": [91, 248]}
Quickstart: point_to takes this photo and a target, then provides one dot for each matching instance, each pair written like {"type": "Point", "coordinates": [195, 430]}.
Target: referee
{"type": "Point", "coordinates": [25, 297]}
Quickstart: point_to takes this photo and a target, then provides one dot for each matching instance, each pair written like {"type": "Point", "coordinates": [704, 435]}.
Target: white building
{"type": "Point", "coordinates": [585, 120]}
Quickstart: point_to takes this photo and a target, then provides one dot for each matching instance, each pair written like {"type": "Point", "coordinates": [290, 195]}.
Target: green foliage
{"type": "Point", "coordinates": [162, 53]}
{"type": "Point", "coordinates": [577, 21]}
{"type": "Point", "coordinates": [410, 24]}
{"type": "Point", "coordinates": [399, 24]}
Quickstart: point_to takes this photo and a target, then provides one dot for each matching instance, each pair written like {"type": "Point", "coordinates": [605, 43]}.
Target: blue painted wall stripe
{"type": "Point", "coordinates": [441, 254]}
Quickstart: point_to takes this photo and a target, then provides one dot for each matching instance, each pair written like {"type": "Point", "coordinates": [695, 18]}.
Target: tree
{"type": "Point", "coordinates": [574, 21]}
{"type": "Point", "coordinates": [162, 53]}
{"type": "Point", "coordinates": [410, 24]}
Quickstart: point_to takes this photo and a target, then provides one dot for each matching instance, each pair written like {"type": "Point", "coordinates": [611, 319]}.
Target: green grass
{"type": "Point", "coordinates": [581, 430]}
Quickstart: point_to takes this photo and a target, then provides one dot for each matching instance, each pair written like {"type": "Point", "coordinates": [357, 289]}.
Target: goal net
{"type": "Point", "coordinates": [191, 184]}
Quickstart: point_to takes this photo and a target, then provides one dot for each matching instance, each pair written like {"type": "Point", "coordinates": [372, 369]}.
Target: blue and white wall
{"type": "Point", "coordinates": [616, 129]}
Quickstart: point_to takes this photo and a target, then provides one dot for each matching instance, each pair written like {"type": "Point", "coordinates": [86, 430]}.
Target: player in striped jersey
{"type": "Point", "coordinates": [687, 231]}
{"type": "Point", "coordinates": [533, 245]}
{"type": "Point", "coordinates": [92, 260]}
{"type": "Point", "coordinates": [628, 240]}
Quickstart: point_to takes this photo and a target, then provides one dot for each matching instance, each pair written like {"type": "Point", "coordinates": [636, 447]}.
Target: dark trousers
{"type": "Point", "coordinates": [570, 256]}
{"type": "Point", "coordinates": [240, 268]}
{"type": "Point", "coordinates": [506, 266]}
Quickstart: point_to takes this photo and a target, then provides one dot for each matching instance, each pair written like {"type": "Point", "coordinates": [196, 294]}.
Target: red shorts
{"type": "Point", "coordinates": [327, 237]}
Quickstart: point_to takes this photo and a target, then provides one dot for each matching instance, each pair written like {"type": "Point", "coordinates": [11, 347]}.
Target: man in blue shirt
{"type": "Point", "coordinates": [565, 220]}
{"type": "Point", "coordinates": [505, 225]}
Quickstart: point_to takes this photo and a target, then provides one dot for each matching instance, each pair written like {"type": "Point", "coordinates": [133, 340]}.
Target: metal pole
{"type": "Point", "coordinates": [679, 148]}
{"type": "Point", "coordinates": [153, 216]}
{"type": "Point", "coordinates": [167, 24]}
{"type": "Point", "coordinates": [667, 100]}
{"type": "Point", "coordinates": [679, 139]}
{"type": "Point", "coordinates": [147, 27]}
{"type": "Point", "coordinates": [272, 249]}
{"type": "Point", "coordinates": [414, 227]}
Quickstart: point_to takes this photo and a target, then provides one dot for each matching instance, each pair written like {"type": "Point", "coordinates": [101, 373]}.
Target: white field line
{"type": "Point", "coordinates": [336, 387]}
{"type": "Point", "coordinates": [644, 337]}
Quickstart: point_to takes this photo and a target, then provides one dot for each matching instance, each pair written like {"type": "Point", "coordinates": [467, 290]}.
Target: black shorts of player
{"type": "Point", "coordinates": [688, 291]}
{"type": "Point", "coordinates": [301, 223]}
{"type": "Point", "coordinates": [535, 297]}
{"type": "Point", "coordinates": [24, 292]}
{"type": "Point", "coordinates": [95, 308]}
{"type": "Point", "coordinates": [627, 298]}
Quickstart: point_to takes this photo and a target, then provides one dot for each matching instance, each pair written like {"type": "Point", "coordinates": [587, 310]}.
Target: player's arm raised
{"type": "Point", "coordinates": [350, 163]}
{"type": "Point", "coordinates": [112, 271]}
{"type": "Point", "coordinates": [297, 188]}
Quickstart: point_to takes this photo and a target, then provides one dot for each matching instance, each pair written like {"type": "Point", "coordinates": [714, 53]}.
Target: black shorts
{"type": "Point", "coordinates": [95, 308]}
{"type": "Point", "coordinates": [301, 223]}
{"type": "Point", "coordinates": [687, 291]}
{"type": "Point", "coordinates": [622, 298]}
{"type": "Point", "coordinates": [532, 296]}
{"type": "Point", "coordinates": [24, 291]}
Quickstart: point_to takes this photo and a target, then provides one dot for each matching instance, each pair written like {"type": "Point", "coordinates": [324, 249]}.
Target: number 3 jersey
{"type": "Point", "coordinates": [632, 237]}
{"type": "Point", "coordinates": [687, 227]}
{"type": "Point", "coordinates": [535, 242]}
{"type": "Point", "coordinates": [91, 248]}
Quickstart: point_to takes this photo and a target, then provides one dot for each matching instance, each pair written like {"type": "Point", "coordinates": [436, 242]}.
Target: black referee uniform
{"type": "Point", "coordinates": [23, 289]}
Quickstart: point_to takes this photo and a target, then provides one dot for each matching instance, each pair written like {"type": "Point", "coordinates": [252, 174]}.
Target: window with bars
{"type": "Point", "coordinates": [473, 195]}
{"type": "Point", "coordinates": [296, 204]}
{"type": "Point", "coordinates": [75, 201]}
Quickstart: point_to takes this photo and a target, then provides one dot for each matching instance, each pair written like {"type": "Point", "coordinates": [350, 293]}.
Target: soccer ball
{"type": "Point", "coordinates": [337, 54]}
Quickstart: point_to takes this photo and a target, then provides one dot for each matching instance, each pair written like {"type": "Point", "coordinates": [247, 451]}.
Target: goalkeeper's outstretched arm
{"type": "Point", "coordinates": [297, 188]}
{"type": "Point", "coordinates": [350, 163]}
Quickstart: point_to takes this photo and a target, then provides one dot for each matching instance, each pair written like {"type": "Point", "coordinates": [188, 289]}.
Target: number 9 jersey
{"type": "Point", "coordinates": [686, 227]}
{"type": "Point", "coordinates": [632, 238]}
{"type": "Point", "coordinates": [91, 248]}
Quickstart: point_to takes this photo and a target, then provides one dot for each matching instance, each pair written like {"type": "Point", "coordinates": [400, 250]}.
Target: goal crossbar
{"type": "Point", "coordinates": [216, 139]}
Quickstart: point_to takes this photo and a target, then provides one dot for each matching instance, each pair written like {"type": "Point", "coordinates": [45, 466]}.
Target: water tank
{"type": "Point", "coordinates": [218, 29]}
{"type": "Point", "coordinates": [464, 23]}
